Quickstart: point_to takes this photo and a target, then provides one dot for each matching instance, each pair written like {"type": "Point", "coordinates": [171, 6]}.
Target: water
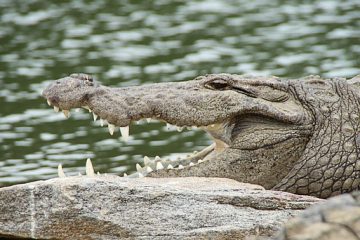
{"type": "Point", "coordinates": [134, 42]}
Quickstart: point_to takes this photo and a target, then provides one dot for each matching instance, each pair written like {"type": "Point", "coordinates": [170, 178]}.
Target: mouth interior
{"type": "Point", "coordinates": [149, 165]}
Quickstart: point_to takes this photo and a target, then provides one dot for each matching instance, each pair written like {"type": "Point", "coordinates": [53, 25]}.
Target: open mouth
{"type": "Point", "coordinates": [156, 164]}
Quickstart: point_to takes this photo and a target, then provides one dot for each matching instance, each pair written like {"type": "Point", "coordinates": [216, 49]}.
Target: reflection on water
{"type": "Point", "coordinates": [126, 43]}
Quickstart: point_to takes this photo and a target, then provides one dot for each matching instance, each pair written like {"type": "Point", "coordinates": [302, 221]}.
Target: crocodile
{"type": "Point", "coordinates": [294, 135]}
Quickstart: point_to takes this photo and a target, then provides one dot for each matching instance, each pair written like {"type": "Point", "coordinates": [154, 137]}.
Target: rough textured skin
{"type": "Point", "coordinates": [110, 207]}
{"type": "Point", "coordinates": [337, 218]}
{"type": "Point", "coordinates": [300, 136]}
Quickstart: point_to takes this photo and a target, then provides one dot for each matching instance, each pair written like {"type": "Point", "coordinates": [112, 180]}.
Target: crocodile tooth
{"type": "Point", "coordinates": [48, 102]}
{"type": "Point", "coordinates": [101, 122]}
{"type": "Point", "coordinates": [98, 173]}
{"type": "Point", "coordinates": [149, 169]}
{"type": "Point", "coordinates": [168, 126]}
{"type": "Point", "coordinates": [56, 109]}
{"type": "Point", "coordinates": [147, 160]}
{"type": "Point", "coordinates": [125, 174]}
{"type": "Point", "coordinates": [66, 113]}
{"type": "Point", "coordinates": [111, 128]}
{"type": "Point", "coordinates": [179, 129]}
{"type": "Point", "coordinates": [170, 166]}
{"type": "Point", "coordinates": [181, 166]}
{"type": "Point", "coordinates": [138, 167]}
{"type": "Point", "coordinates": [159, 166]}
{"type": "Point", "coordinates": [95, 116]}
{"type": "Point", "coordinates": [87, 107]}
{"type": "Point", "coordinates": [200, 161]}
{"type": "Point", "coordinates": [125, 133]}
{"type": "Point", "coordinates": [157, 159]}
{"type": "Point", "coordinates": [191, 164]}
{"type": "Point", "coordinates": [61, 173]}
{"type": "Point", "coordinates": [89, 168]}
{"type": "Point", "coordinates": [148, 120]}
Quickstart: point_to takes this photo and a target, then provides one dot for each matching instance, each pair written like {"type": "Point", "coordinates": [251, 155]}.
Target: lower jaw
{"type": "Point", "coordinates": [159, 164]}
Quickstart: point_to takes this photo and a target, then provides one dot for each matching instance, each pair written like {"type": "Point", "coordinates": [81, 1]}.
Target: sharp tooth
{"type": "Point", "coordinates": [157, 159]}
{"type": "Point", "coordinates": [138, 167]}
{"type": "Point", "coordinates": [125, 175]}
{"type": "Point", "coordinates": [111, 128]}
{"type": "Point", "coordinates": [140, 175]}
{"type": "Point", "coordinates": [148, 120]}
{"type": "Point", "coordinates": [191, 164]}
{"type": "Point", "coordinates": [159, 166]}
{"type": "Point", "coordinates": [170, 166]}
{"type": "Point", "coordinates": [149, 169]}
{"type": "Point", "coordinates": [168, 126]}
{"type": "Point", "coordinates": [89, 168]}
{"type": "Point", "coordinates": [147, 160]}
{"type": "Point", "coordinates": [98, 174]}
{"type": "Point", "coordinates": [179, 129]}
{"type": "Point", "coordinates": [95, 116]}
{"type": "Point", "coordinates": [101, 122]}
{"type": "Point", "coordinates": [66, 113]}
{"type": "Point", "coordinates": [181, 166]}
{"type": "Point", "coordinates": [56, 109]}
{"type": "Point", "coordinates": [200, 161]}
{"type": "Point", "coordinates": [125, 133]}
{"type": "Point", "coordinates": [48, 102]}
{"type": "Point", "coordinates": [87, 107]}
{"type": "Point", "coordinates": [61, 173]}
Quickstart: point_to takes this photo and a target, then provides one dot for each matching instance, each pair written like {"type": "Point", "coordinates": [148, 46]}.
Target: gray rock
{"type": "Point", "coordinates": [110, 207]}
{"type": "Point", "coordinates": [336, 218]}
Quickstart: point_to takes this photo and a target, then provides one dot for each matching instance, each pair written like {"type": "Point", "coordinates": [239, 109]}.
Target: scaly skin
{"type": "Point", "coordinates": [299, 136]}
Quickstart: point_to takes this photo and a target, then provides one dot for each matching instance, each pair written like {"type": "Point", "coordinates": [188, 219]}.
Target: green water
{"type": "Point", "coordinates": [126, 43]}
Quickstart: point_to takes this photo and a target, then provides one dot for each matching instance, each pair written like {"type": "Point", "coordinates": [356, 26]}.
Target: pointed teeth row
{"type": "Point", "coordinates": [56, 109]}
{"type": "Point", "coordinates": [89, 169]}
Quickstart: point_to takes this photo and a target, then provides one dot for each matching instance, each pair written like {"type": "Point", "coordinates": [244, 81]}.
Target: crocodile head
{"type": "Point", "coordinates": [261, 126]}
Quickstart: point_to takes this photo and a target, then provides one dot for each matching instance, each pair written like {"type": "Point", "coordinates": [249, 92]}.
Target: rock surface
{"type": "Point", "coordinates": [110, 207]}
{"type": "Point", "coordinates": [337, 218]}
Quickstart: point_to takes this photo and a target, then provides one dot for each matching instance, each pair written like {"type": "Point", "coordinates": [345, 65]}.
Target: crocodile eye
{"type": "Point", "coordinates": [217, 84]}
